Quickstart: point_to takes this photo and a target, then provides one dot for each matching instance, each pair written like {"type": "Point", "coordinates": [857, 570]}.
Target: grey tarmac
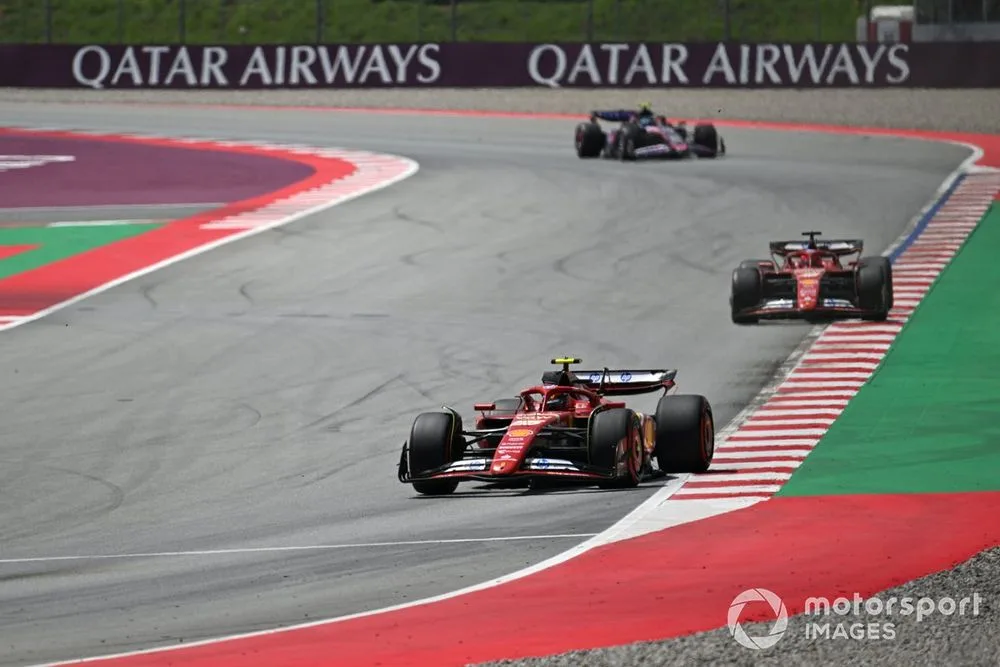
{"type": "Point", "coordinates": [229, 402]}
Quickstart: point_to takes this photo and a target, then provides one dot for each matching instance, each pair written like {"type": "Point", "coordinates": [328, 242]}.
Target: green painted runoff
{"type": "Point", "coordinates": [56, 243]}
{"type": "Point", "coordinates": [927, 421]}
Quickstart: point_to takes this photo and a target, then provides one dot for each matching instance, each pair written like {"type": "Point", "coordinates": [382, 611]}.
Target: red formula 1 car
{"type": "Point", "coordinates": [809, 280]}
{"type": "Point", "coordinates": [564, 428]}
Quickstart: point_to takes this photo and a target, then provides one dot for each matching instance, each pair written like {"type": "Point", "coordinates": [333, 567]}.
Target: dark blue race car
{"type": "Point", "coordinates": [645, 135]}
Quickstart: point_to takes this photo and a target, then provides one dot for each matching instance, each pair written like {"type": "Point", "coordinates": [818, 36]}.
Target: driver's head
{"type": "Point", "coordinates": [645, 109]}
{"type": "Point", "coordinates": [557, 402]}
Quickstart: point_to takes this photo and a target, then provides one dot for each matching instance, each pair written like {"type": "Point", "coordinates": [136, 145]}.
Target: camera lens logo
{"type": "Point", "coordinates": [777, 630]}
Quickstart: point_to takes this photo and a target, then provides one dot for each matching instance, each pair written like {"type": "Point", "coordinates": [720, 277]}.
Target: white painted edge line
{"type": "Point", "coordinates": [95, 223]}
{"type": "Point", "coordinates": [293, 548]}
{"type": "Point", "coordinates": [621, 527]}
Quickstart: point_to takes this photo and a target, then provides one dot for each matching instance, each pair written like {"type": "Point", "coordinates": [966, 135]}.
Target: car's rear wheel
{"type": "Point", "coordinates": [435, 440]}
{"type": "Point", "coordinates": [615, 433]}
{"type": "Point", "coordinates": [757, 264]}
{"type": "Point", "coordinates": [685, 433]}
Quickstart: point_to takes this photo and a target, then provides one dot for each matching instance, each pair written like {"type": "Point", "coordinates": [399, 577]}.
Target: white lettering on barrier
{"type": "Point", "coordinates": [95, 67]}
{"type": "Point", "coordinates": [746, 64]}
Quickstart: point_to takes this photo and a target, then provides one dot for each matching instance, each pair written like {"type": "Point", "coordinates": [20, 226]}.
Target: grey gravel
{"type": "Point", "coordinates": [972, 110]}
{"type": "Point", "coordinates": [952, 641]}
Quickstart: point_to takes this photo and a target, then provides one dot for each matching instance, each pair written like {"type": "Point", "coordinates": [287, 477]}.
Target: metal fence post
{"type": "Point", "coordinates": [320, 20]}
{"type": "Point", "coordinates": [48, 21]}
{"type": "Point", "coordinates": [120, 19]}
{"type": "Point", "coordinates": [454, 20]}
{"type": "Point", "coordinates": [590, 20]}
{"type": "Point", "coordinates": [727, 21]}
{"type": "Point", "coordinates": [868, 20]}
{"type": "Point", "coordinates": [182, 21]}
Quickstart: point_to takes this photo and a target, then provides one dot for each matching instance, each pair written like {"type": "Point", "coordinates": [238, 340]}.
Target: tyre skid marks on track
{"type": "Point", "coordinates": [757, 458]}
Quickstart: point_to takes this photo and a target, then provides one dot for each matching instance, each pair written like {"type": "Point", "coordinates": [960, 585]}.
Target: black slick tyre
{"type": "Point", "coordinates": [628, 142]}
{"type": "Point", "coordinates": [435, 439]}
{"type": "Point", "coordinates": [685, 433]}
{"type": "Point", "coordinates": [885, 266]}
{"type": "Point", "coordinates": [589, 140]}
{"type": "Point", "coordinates": [707, 136]}
{"type": "Point", "coordinates": [746, 293]}
{"type": "Point", "coordinates": [608, 429]}
{"type": "Point", "coordinates": [874, 291]}
{"type": "Point", "coordinates": [756, 264]}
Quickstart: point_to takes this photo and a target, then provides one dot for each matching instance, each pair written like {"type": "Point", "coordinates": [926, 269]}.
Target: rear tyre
{"type": "Point", "coordinates": [874, 292]}
{"type": "Point", "coordinates": [756, 264]}
{"type": "Point", "coordinates": [705, 135]}
{"type": "Point", "coordinates": [435, 439]}
{"type": "Point", "coordinates": [685, 433]}
{"type": "Point", "coordinates": [608, 431]}
{"type": "Point", "coordinates": [747, 292]}
{"type": "Point", "coordinates": [589, 140]}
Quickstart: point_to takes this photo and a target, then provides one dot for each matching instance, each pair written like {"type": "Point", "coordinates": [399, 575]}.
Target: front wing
{"type": "Point", "coordinates": [787, 309]}
{"type": "Point", "coordinates": [479, 469]}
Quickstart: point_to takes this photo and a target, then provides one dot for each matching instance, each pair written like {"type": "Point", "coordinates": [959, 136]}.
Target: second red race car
{"type": "Point", "coordinates": [566, 428]}
{"type": "Point", "coordinates": [809, 280]}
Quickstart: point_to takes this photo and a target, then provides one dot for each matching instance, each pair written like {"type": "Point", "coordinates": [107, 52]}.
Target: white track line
{"type": "Point", "coordinates": [309, 547]}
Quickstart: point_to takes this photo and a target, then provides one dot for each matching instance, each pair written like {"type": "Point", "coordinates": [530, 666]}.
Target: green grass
{"type": "Point", "coordinates": [359, 21]}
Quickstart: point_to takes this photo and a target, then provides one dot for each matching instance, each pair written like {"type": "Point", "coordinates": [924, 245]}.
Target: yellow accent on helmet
{"type": "Point", "coordinates": [645, 106]}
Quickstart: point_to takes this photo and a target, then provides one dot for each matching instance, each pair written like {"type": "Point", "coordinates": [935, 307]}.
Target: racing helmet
{"type": "Point", "coordinates": [558, 402]}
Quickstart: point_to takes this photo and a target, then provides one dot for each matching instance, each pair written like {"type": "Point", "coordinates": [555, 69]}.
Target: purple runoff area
{"type": "Point", "coordinates": [106, 173]}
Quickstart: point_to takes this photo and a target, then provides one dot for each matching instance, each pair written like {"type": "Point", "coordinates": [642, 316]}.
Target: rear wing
{"type": "Point", "coordinates": [626, 381]}
{"type": "Point", "coordinates": [836, 246]}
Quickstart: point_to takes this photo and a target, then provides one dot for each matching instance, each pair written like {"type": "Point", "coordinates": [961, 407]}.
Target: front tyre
{"type": "Point", "coordinates": [629, 141]}
{"type": "Point", "coordinates": [874, 291]}
{"type": "Point", "coordinates": [589, 140]}
{"type": "Point", "coordinates": [706, 136]}
{"type": "Point", "coordinates": [435, 440]}
{"type": "Point", "coordinates": [746, 293]}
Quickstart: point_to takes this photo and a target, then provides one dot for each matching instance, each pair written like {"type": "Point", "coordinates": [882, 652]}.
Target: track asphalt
{"type": "Point", "coordinates": [256, 396]}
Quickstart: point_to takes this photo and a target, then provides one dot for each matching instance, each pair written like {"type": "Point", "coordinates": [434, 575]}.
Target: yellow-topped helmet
{"type": "Point", "coordinates": [645, 107]}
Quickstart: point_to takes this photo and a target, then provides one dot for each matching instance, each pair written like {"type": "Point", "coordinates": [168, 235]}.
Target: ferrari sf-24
{"type": "Point", "coordinates": [809, 280]}
{"type": "Point", "coordinates": [568, 427]}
